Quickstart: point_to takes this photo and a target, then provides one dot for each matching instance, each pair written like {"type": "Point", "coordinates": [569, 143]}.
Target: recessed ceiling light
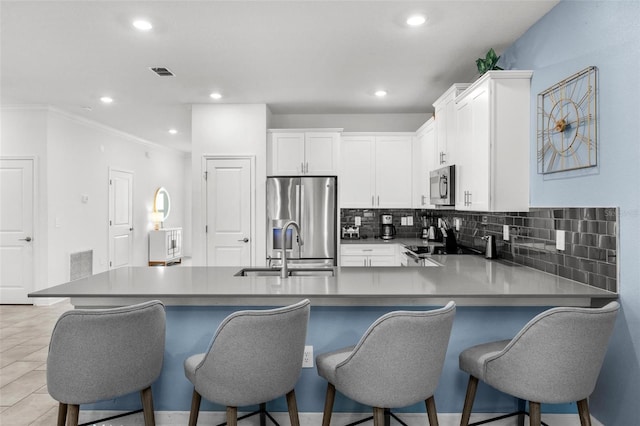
{"type": "Point", "coordinates": [381, 93]}
{"type": "Point", "coordinates": [416, 20]}
{"type": "Point", "coordinates": [106, 100]}
{"type": "Point", "coordinates": [173, 131]}
{"type": "Point", "coordinates": [142, 25]}
{"type": "Point", "coordinates": [216, 95]}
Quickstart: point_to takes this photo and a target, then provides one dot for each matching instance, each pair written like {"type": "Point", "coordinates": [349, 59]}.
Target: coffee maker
{"type": "Point", "coordinates": [425, 228]}
{"type": "Point", "coordinates": [387, 230]}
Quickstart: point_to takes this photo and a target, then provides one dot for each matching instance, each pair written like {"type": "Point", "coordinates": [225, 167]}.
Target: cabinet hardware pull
{"type": "Point", "coordinates": [372, 201]}
{"type": "Point", "coordinates": [378, 200]}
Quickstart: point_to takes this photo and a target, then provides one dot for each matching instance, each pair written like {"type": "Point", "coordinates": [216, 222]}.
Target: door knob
{"type": "Point", "coordinates": [25, 239]}
{"type": "Point", "coordinates": [244, 240]}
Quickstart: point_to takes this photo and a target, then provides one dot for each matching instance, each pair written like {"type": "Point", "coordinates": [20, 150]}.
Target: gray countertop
{"type": "Point", "coordinates": [469, 280]}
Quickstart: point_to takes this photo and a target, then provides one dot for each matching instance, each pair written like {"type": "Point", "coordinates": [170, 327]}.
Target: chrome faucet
{"type": "Point", "coordinates": [284, 272]}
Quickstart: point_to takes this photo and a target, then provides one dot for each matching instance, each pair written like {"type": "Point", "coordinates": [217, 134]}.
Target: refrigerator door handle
{"type": "Point", "coordinates": [301, 219]}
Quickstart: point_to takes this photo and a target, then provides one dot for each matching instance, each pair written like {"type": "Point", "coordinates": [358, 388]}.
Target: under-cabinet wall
{"type": "Point", "coordinates": [591, 237]}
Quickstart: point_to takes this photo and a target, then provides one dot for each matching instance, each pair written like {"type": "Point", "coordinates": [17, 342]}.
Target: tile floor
{"type": "Point", "coordinates": [25, 331]}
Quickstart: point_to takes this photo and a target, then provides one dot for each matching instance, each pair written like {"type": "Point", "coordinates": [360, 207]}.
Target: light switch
{"type": "Point", "coordinates": [505, 232]}
{"type": "Point", "coordinates": [358, 220]}
{"type": "Point", "coordinates": [560, 240]}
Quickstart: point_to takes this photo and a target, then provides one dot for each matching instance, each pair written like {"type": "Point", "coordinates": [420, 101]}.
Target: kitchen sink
{"type": "Point", "coordinates": [293, 272]}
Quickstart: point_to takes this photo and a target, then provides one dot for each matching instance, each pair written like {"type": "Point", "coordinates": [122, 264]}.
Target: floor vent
{"type": "Point", "coordinates": [162, 72]}
{"type": "Point", "coordinates": [80, 265]}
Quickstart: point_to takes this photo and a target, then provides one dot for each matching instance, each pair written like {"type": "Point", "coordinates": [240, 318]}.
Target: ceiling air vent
{"type": "Point", "coordinates": [162, 72]}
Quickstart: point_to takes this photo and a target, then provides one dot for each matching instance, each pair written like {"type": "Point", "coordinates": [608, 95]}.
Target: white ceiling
{"type": "Point", "coordinates": [322, 57]}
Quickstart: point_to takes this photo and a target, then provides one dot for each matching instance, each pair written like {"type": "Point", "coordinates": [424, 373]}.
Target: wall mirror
{"type": "Point", "coordinates": [162, 203]}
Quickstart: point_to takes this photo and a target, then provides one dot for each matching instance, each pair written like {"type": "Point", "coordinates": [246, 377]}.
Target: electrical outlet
{"type": "Point", "coordinates": [358, 220]}
{"type": "Point", "coordinates": [403, 221]}
{"type": "Point", "coordinates": [307, 359]}
{"type": "Point", "coordinates": [410, 220]}
{"type": "Point", "coordinates": [560, 239]}
{"type": "Point", "coordinates": [505, 232]}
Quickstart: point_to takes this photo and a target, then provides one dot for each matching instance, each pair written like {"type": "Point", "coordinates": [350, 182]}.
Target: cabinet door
{"type": "Point", "coordinates": [481, 149]}
{"type": "Point", "coordinates": [424, 157]}
{"type": "Point", "coordinates": [287, 154]}
{"type": "Point", "coordinates": [379, 261]}
{"type": "Point", "coordinates": [357, 172]}
{"type": "Point", "coordinates": [473, 159]}
{"type": "Point", "coordinates": [464, 176]}
{"type": "Point", "coordinates": [321, 153]}
{"type": "Point", "coordinates": [354, 261]}
{"type": "Point", "coordinates": [393, 173]}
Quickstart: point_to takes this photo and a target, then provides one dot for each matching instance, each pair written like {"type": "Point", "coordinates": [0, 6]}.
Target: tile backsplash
{"type": "Point", "coordinates": [590, 254]}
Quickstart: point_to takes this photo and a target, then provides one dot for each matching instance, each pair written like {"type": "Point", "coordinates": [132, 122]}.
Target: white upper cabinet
{"type": "Point", "coordinates": [424, 160]}
{"type": "Point", "coordinates": [376, 171]}
{"type": "Point", "coordinates": [446, 125]}
{"type": "Point", "coordinates": [303, 152]}
{"type": "Point", "coordinates": [492, 148]}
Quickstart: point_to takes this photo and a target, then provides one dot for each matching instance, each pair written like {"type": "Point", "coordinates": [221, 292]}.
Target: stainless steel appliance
{"type": "Point", "coordinates": [442, 186]}
{"type": "Point", "coordinates": [490, 247]}
{"type": "Point", "coordinates": [425, 228]}
{"type": "Point", "coordinates": [387, 230]}
{"type": "Point", "coordinates": [311, 202]}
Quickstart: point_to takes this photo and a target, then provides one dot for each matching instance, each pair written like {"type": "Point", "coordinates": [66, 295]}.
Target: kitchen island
{"type": "Point", "coordinates": [468, 280]}
{"type": "Point", "coordinates": [495, 299]}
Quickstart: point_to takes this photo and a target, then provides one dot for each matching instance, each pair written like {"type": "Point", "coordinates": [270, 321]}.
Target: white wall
{"type": "Point", "coordinates": [351, 122]}
{"type": "Point", "coordinates": [23, 133]}
{"type": "Point", "coordinates": [228, 130]}
{"type": "Point", "coordinates": [76, 161]}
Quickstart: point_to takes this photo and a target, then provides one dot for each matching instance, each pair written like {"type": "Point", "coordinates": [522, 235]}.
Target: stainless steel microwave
{"type": "Point", "coordinates": [442, 186]}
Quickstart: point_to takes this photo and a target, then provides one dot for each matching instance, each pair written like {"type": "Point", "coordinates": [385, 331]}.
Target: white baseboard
{"type": "Point", "coordinates": [48, 301]}
{"type": "Point", "coordinates": [181, 418]}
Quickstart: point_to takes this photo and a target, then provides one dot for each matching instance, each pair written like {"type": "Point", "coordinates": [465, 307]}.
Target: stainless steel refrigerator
{"type": "Point", "coordinates": [312, 203]}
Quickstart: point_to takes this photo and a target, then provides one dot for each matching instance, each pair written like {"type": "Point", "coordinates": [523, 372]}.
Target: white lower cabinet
{"type": "Point", "coordinates": [368, 255]}
{"type": "Point", "coordinates": [165, 246]}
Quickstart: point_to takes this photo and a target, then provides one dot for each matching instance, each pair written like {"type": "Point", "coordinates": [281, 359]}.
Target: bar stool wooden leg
{"type": "Point", "coordinates": [195, 408]}
{"type": "Point", "coordinates": [73, 414]}
{"type": "Point", "coordinates": [293, 408]}
{"type": "Point", "coordinates": [378, 416]}
{"type": "Point", "coordinates": [147, 406]}
{"type": "Point", "coordinates": [583, 412]}
{"type": "Point", "coordinates": [432, 414]}
{"type": "Point", "coordinates": [472, 386]}
{"type": "Point", "coordinates": [62, 414]}
{"type": "Point", "coordinates": [534, 413]}
{"type": "Point", "coordinates": [232, 416]}
{"type": "Point", "coordinates": [328, 404]}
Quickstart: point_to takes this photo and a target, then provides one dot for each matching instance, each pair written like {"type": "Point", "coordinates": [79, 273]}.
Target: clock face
{"type": "Point", "coordinates": [567, 124]}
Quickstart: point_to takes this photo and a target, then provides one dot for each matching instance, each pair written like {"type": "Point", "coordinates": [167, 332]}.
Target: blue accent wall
{"type": "Point", "coordinates": [572, 36]}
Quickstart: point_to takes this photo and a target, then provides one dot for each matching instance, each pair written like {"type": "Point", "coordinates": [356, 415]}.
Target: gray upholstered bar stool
{"type": "Point", "coordinates": [396, 363]}
{"type": "Point", "coordinates": [255, 356]}
{"type": "Point", "coordinates": [556, 358]}
{"type": "Point", "coordinates": [100, 354]}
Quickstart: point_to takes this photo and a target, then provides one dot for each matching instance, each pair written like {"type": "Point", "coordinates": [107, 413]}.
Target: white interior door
{"type": "Point", "coordinates": [229, 214]}
{"type": "Point", "coordinates": [16, 230]}
{"type": "Point", "coordinates": [120, 218]}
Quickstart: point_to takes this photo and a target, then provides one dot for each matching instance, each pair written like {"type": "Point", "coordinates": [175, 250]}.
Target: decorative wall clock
{"type": "Point", "coordinates": [567, 137]}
